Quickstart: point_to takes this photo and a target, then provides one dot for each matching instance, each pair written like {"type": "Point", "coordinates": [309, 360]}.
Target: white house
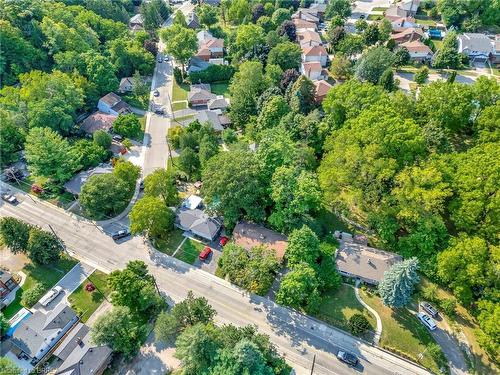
{"type": "Point", "coordinates": [418, 50]}
{"type": "Point", "coordinates": [312, 70]}
{"type": "Point", "coordinates": [315, 53]}
{"type": "Point", "coordinates": [112, 104]}
{"type": "Point", "coordinates": [477, 46]}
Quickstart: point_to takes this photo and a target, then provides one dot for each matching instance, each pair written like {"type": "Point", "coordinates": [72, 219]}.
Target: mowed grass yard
{"type": "Point", "coordinates": [84, 302]}
{"type": "Point", "coordinates": [402, 332]}
{"type": "Point", "coordinates": [189, 251]}
{"type": "Point", "coordinates": [339, 305]}
{"type": "Point", "coordinates": [168, 246]}
{"type": "Point", "coordinates": [47, 275]}
{"type": "Point", "coordinates": [220, 88]}
{"type": "Point", "coordinates": [179, 92]}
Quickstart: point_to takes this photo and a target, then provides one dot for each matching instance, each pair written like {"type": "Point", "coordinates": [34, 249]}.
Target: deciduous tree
{"type": "Point", "coordinates": [15, 234]}
{"type": "Point", "coordinates": [150, 215]}
{"type": "Point", "coordinates": [299, 289]}
{"type": "Point", "coordinates": [43, 247]}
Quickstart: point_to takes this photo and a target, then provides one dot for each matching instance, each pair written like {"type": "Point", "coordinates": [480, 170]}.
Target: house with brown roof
{"type": "Point", "coordinates": [249, 235]}
{"type": "Point", "coordinates": [98, 121]}
{"type": "Point", "coordinates": [315, 53]}
{"type": "Point", "coordinates": [200, 95]}
{"type": "Point", "coordinates": [408, 35]}
{"type": "Point", "coordinates": [303, 25]}
{"type": "Point", "coordinates": [418, 50]}
{"type": "Point", "coordinates": [362, 262]}
{"type": "Point", "coordinates": [309, 39]}
{"type": "Point", "coordinates": [304, 14]}
{"type": "Point", "coordinates": [321, 89]}
{"type": "Point", "coordinates": [312, 70]}
{"type": "Point", "coordinates": [114, 105]}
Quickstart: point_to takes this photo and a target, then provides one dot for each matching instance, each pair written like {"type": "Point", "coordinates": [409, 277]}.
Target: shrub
{"type": "Point", "coordinates": [178, 75]}
{"type": "Point", "coordinates": [358, 324]}
{"type": "Point", "coordinates": [32, 295]}
{"type": "Point", "coordinates": [421, 75]}
{"type": "Point", "coordinates": [229, 136]}
{"type": "Point", "coordinates": [90, 287]}
{"type": "Point", "coordinates": [430, 293]}
{"type": "Point", "coordinates": [449, 305]}
{"type": "Point", "coordinates": [214, 73]}
{"type": "Point", "coordinates": [102, 139]}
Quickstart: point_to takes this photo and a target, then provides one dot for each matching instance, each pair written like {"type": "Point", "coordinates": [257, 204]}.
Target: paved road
{"type": "Point", "coordinates": [155, 134]}
{"type": "Point", "coordinates": [296, 336]}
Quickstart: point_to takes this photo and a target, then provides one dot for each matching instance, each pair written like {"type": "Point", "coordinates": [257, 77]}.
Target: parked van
{"type": "Point", "coordinates": [50, 296]}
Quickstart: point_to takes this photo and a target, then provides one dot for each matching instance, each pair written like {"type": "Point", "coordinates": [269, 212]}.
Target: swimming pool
{"type": "Point", "coordinates": [16, 320]}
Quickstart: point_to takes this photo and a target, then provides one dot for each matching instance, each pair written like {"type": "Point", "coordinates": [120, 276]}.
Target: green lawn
{"type": "Point", "coordinates": [85, 303]}
{"type": "Point", "coordinates": [374, 17]}
{"type": "Point", "coordinates": [339, 305]}
{"type": "Point", "coordinates": [438, 44]}
{"type": "Point", "coordinates": [183, 118]}
{"type": "Point", "coordinates": [168, 247]}
{"type": "Point", "coordinates": [379, 9]}
{"type": "Point", "coordinates": [425, 21]}
{"type": "Point", "coordinates": [189, 251]}
{"type": "Point", "coordinates": [179, 92]}
{"type": "Point", "coordinates": [48, 275]}
{"type": "Point", "coordinates": [402, 332]}
{"type": "Point", "coordinates": [220, 88]}
{"type": "Point", "coordinates": [178, 106]}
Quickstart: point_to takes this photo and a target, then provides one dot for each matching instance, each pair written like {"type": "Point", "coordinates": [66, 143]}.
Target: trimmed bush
{"type": "Point", "coordinates": [32, 295]}
{"type": "Point", "coordinates": [214, 73]}
{"type": "Point", "coordinates": [358, 324]}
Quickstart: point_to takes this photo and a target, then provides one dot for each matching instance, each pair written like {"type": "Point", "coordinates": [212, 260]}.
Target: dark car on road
{"type": "Point", "coordinates": [9, 198]}
{"type": "Point", "coordinates": [205, 253]}
{"type": "Point", "coordinates": [347, 357]}
{"type": "Point", "coordinates": [120, 234]}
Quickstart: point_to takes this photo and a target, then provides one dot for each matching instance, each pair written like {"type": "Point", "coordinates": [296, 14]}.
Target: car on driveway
{"type": "Point", "coordinates": [431, 310]}
{"type": "Point", "coordinates": [348, 358]}
{"type": "Point", "coordinates": [9, 198]}
{"type": "Point", "coordinates": [160, 59]}
{"type": "Point", "coordinates": [120, 234]}
{"type": "Point", "coordinates": [156, 93]}
{"type": "Point", "coordinates": [427, 321]}
{"type": "Point", "coordinates": [51, 295]}
{"type": "Point", "coordinates": [223, 241]}
{"type": "Point", "coordinates": [117, 138]}
{"type": "Point", "coordinates": [205, 253]}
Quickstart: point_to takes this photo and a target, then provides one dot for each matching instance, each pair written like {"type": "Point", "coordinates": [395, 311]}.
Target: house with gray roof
{"type": "Point", "coordinates": [477, 46]}
{"type": "Point", "coordinates": [200, 95]}
{"type": "Point", "coordinates": [74, 186]}
{"type": "Point", "coordinates": [113, 105]}
{"type": "Point", "coordinates": [37, 335]}
{"type": "Point", "coordinates": [210, 117]}
{"type": "Point", "coordinates": [78, 356]}
{"type": "Point", "coordinates": [360, 261]}
{"type": "Point", "coordinates": [198, 223]}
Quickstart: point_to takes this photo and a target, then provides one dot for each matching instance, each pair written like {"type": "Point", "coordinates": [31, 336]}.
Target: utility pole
{"type": "Point", "coordinates": [58, 239]}
{"type": "Point", "coordinates": [314, 361]}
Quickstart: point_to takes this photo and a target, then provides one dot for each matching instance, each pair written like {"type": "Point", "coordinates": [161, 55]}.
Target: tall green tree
{"type": "Point", "coordinates": [43, 247]}
{"type": "Point", "coordinates": [11, 139]}
{"type": "Point", "coordinates": [121, 330]}
{"type": "Point", "coordinates": [341, 8]}
{"type": "Point", "coordinates": [299, 289]}
{"type": "Point", "coordinates": [303, 247]}
{"type": "Point", "coordinates": [180, 42]}
{"type": "Point", "coordinates": [286, 55]}
{"type": "Point", "coordinates": [7, 366]}
{"type": "Point", "coordinates": [272, 111]}
{"type": "Point", "coordinates": [48, 155]}
{"type": "Point", "coordinates": [373, 63]}
{"type": "Point", "coordinates": [302, 95]}
{"type": "Point", "coordinates": [151, 216]}
{"type": "Point", "coordinates": [127, 125]}
{"type": "Point", "coordinates": [207, 15]}
{"type": "Point", "coordinates": [195, 347]}
{"type": "Point", "coordinates": [161, 183]}
{"type": "Point", "coordinates": [399, 283]}
{"type": "Point", "coordinates": [15, 234]}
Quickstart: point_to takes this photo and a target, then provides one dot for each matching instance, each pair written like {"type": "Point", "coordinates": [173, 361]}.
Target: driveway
{"type": "Point", "coordinates": [210, 264]}
{"type": "Point", "coordinates": [365, 7]}
{"type": "Point", "coordinates": [68, 283]}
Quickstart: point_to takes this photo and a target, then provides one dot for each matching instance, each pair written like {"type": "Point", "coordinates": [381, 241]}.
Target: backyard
{"type": "Point", "coordinates": [137, 101]}
{"type": "Point", "coordinates": [220, 88]}
{"type": "Point", "coordinates": [339, 305]}
{"type": "Point", "coordinates": [48, 275]}
{"type": "Point", "coordinates": [402, 332]}
{"type": "Point", "coordinates": [179, 92]}
{"type": "Point", "coordinates": [85, 302]}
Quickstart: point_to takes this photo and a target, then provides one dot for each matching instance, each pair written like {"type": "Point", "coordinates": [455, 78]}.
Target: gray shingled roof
{"type": "Point", "coordinates": [199, 223]}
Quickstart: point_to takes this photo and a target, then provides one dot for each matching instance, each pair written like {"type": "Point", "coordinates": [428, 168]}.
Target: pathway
{"type": "Point", "coordinates": [378, 330]}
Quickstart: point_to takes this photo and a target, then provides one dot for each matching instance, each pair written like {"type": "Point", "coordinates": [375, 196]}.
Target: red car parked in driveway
{"type": "Point", "coordinates": [223, 241]}
{"type": "Point", "coordinates": [205, 253]}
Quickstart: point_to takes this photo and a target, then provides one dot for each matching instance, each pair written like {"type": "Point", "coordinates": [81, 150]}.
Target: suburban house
{"type": "Point", "coordinates": [198, 223]}
{"type": "Point", "coordinates": [200, 95]}
{"type": "Point", "coordinates": [79, 356]}
{"type": "Point", "coordinates": [315, 53]}
{"type": "Point", "coordinates": [308, 39]}
{"type": "Point", "coordinates": [74, 186]}
{"type": "Point", "coordinates": [402, 9]}
{"type": "Point", "coordinates": [303, 25]}
{"type": "Point", "coordinates": [249, 235]}
{"type": "Point", "coordinates": [401, 22]}
{"type": "Point", "coordinates": [318, 9]}
{"type": "Point", "coordinates": [219, 102]}
{"type": "Point", "coordinates": [37, 335]}
{"type": "Point", "coordinates": [212, 48]}
{"type": "Point", "coordinates": [126, 85]}
{"type": "Point", "coordinates": [321, 89]}
{"type": "Point", "coordinates": [192, 21]}
{"type": "Point", "coordinates": [210, 117]}
{"type": "Point", "coordinates": [408, 35]}
{"type": "Point", "coordinates": [114, 105]}
{"type": "Point", "coordinates": [304, 14]}
{"type": "Point", "coordinates": [98, 121]}
{"type": "Point", "coordinates": [7, 286]}
{"type": "Point", "coordinates": [477, 46]}
{"type": "Point", "coordinates": [312, 70]}
{"type": "Point", "coordinates": [197, 64]}
{"type": "Point", "coordinates": [360, 261]}
{"type": "Point", "coordinates": [418, 51]}
{"type": "Point", "coordinates": [136, 22]}
{"type": "Point", "coordinates": [211, 2]}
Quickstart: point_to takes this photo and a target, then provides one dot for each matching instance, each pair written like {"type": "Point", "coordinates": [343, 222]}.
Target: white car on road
{"type": "Point", "coordinates": [427, 321]}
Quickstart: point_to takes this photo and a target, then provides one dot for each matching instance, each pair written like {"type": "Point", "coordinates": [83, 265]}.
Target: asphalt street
{"type": "Point", "coordinates": [296, 336]}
